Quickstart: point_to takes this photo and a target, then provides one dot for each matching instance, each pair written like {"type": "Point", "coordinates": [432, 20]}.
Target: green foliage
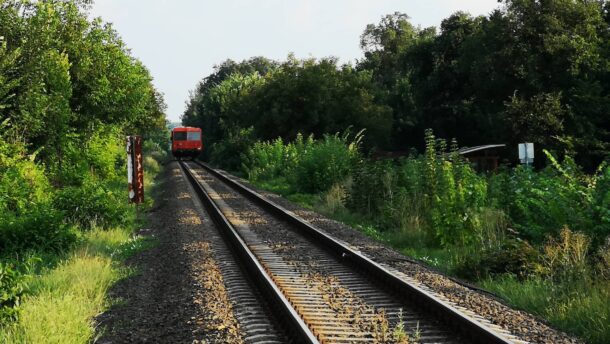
{"type": "Point", "coordinates": [280, 100]}
{"type": "Point", "coordinates": [325, 163]}
{"type": "Point", "coordinates": [14, 278]}
{"type": "Point", "coordinates": [540, 200]}
{"type": "Point", "coordinates": [27, 218]}
{"type": "Point", "coordinates": [226, 153]}
{"type": "Point", "coordinates": [309, 165]}
{"type": "Point", "coordinates": [455, 193]}
{"type": "Point", "coordinates": [437, 194]}
{"type": "Point", "coordinates": [69, 93]}
{"type": "Point", "coordinates": [267, 160]}
{"type": "Point", "coordinates": [92, 204]}
{"type": "Point", "coordinates": [41, 229]}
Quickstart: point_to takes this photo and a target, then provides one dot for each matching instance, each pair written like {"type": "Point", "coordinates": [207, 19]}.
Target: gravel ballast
{"type": "Point", "coordinates": [176, 294]}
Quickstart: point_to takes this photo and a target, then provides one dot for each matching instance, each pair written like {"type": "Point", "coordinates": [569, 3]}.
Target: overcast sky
{"type": "Point", "coordinates": [180, 41]}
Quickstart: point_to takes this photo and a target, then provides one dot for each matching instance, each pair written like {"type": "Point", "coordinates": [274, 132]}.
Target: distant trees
{"type": "Point", "coordinates": [530, 71]}
{"type": "Point", "coordinates": [283, 99]}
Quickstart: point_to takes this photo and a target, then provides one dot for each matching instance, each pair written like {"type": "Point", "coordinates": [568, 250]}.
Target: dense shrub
{"type": "Point", "coordinates": [437, 192]}
{"type": "Point", "coordinates": [92, 204]}
{"type": "Point", "coordinates": [542, 203]}
{"type": "Point", "coordinates": [372, 187]}
{"type": "Point", "coordinates": [13, 288]}
{"type": "Point", "coordinates": [325, 163]}
{"type": "Point", "coordinates": [309, 165]}
{"type": "Point", "coordinates": [155, 150]}
{"type": "Point", "coordinates": [27, 219]}
{"type": "Point", "coordinates": [40, 229]}
{"type": "Point", "coordinates": [512, 256]}
{"type": "Point", "coordinates": [267, 160]}
{"type": "Point", "coordinates": [227, 153]}
{"type": "Point", "coordinates": [455, 193]}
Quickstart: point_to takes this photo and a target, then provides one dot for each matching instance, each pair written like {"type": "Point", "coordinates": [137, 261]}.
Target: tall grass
{"type": "Point", "coordinates": [54, 299]}
{"type": "Point", "coordinates": [64, 300]}
{"type": "Point", "coordinates": [579, 308]}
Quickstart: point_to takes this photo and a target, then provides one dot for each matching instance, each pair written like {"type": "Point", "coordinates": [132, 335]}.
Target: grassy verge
{"type": "Point", "coordinates": [582, 309]}
{"type": "Point", "coordinates": [64, 300]}
{"type": "Point", "coordinates": [64, 292]}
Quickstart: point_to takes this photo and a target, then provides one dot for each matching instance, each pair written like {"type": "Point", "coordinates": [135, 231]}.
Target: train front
{"type": "Point", "coordinates": [186, 142]}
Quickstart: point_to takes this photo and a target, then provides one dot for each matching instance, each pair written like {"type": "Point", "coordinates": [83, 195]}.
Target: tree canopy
{"type": "Point", "coordinates": [64, 77]}
{"type": "Point", "coordinates": [530, 71]}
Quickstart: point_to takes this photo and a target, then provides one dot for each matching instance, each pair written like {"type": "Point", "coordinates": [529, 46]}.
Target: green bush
{"type": "Point", "coordinates": [561, 195]}
{"type": "Point", "coordinates": [372, 181]}
{"type": "Point", "coordinates": [40, 229]}
{"type": "Point", "coordinates": [155, 150]}
{"type": "Point", "coordinates": [228, 152]}
{"type": "Point", "coordinates": [309, 165]}
{"type": "Point", "coordinates": [23, 185]}
{"type": "Point", "coordinates": [512, 256]}
{"type": "Point", "coordinates": [13, 288]}
{"type": "Point", "coordinates": [268, 160]}
{"type": "Point", "coordinates": [27, 219]}
{"type": "Point", "coordinates": [327, 162]}
{"type": "Point", "coordinates": [92, 204]}
{"type": "Point", "coordinates": [437, 194]}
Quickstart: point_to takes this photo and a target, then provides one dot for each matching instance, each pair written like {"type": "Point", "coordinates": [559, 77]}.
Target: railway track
{"type": "Point", "coordinates": [320, 289]}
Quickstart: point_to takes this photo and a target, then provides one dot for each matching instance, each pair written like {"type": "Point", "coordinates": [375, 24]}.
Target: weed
{"type": "Point", "coordinates": [603, 260]}
{"type": "Point", "coordinates": [64, 301]}
{"type": "Point", "coordinates": [565, 258]}
{"type": "Point", "coordinates": [580, 308]}
{"type": "Point", "coordinates": [399, 334]}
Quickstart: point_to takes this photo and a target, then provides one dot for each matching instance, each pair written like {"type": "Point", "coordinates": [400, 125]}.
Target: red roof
{"type": "Point", "coordinates": [186, 129]}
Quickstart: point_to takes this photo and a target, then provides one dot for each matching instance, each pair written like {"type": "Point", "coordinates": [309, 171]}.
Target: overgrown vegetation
{"type": "Point", "coordinates": [63, 300]}
{"type": "Point", "coordinates": [307, 165]}
{"type": "Point", "coordinates": [538, 238]}
{"type": "Point", "coordinates": [69, 93]}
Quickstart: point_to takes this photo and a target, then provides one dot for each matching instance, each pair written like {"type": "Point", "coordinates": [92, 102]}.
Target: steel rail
{"type": "Point", "coordinates": [470, 328]}
{"type": "Point", "coordinates": [287, 314]}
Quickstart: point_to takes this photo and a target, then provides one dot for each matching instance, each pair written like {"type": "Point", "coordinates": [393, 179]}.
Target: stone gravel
{"type": "Point", "coordinates": [176, 294]}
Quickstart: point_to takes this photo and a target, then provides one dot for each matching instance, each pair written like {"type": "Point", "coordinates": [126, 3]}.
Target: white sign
{"type": "Point", "coordinates": [526, 153]}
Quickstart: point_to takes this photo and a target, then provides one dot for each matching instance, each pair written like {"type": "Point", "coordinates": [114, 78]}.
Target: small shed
{"type": "Point", "coordinates": [483, 158]}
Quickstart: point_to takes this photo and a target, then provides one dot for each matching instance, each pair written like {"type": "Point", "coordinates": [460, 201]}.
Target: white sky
{"type": "Point", "coordinates": [180, 41]}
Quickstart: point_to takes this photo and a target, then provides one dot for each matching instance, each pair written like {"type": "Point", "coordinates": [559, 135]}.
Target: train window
{"type": "Point", "coordinates": [194, 136]}
{"type": "Point", "coordinates": [179, 135]}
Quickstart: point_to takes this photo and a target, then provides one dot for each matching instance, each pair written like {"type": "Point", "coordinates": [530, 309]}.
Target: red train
{"type": "Point", "coordinates": [186, 142]}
